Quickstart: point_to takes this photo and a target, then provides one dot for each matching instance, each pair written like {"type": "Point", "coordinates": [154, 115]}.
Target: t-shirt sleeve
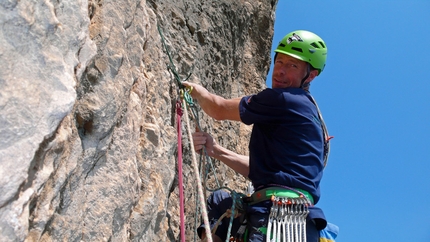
{"type": "Point", "coordinates": [260, 107]}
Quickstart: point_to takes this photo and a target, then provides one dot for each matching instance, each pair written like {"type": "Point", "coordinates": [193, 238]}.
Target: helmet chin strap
{"type": "Point", "coordinates": [304, 85]}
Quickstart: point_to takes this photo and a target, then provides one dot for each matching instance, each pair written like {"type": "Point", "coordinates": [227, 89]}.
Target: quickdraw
{"type": "Point", "coordinates": [287, 220]}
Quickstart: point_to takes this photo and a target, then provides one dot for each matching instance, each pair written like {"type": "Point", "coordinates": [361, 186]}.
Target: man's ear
{"type": "Point", "coordinates": [312, 75]}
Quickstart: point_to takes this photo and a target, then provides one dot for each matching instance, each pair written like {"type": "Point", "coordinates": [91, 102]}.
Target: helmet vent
{"type": "Point", "coordinates": [297, 49]}
{"type": "Point", "coordinates": [315, 45]}
{"type": "Point", "coordinates": [322, 44]}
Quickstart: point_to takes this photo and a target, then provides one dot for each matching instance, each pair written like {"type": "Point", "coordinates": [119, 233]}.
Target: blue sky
{"type": "Point", "coordinates": [375, 98]}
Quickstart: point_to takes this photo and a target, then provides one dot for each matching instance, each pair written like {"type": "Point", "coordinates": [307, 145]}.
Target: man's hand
{"type": "Point", "coordinates": [202, 139]}
{"type": "Point", "coordinates": [197, 91]}
{"type": "Point", "coordinates": [239, 163]}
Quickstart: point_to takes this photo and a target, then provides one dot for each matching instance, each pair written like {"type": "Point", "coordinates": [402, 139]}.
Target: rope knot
{"type": "Point", "coordinates": [179, 110]}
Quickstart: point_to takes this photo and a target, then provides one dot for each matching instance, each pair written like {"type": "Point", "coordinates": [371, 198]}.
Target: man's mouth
{"type": "Point", "coordinates": [277, 81]}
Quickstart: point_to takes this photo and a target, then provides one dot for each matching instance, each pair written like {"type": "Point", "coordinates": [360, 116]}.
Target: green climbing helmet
{"type": "Point", "coordinates": [305, 46]}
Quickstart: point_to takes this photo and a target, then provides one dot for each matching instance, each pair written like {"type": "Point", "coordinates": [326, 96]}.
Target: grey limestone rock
{"type": "Point", "coordinates": [88, 148]}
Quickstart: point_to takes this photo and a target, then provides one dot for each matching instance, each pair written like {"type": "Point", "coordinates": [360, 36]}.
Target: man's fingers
{"type": "Point", "coordinates": [199, 136]}
{"type": "Point", "coordinates": [198, 147]}
{"type": "Point", "coordinates": [199, 140]}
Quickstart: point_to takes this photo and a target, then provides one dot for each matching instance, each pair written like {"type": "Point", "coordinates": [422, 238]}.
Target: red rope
{"type": "Point", "coordinates": [181, 185]}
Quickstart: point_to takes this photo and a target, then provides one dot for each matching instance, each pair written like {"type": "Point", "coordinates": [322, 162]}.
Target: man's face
{"type": "Point", "coordinates": [288, 71]}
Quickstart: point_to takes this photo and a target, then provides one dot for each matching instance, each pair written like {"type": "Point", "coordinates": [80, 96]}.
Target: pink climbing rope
{"type": "Point", "coordinates": [181, 185]}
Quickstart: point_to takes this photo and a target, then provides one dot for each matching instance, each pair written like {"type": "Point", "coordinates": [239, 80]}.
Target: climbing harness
{"type": "Point", "coordinates": [279, 191]}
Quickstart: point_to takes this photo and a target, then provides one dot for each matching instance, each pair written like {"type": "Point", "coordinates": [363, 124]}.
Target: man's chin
{"type": "Point", "coordinates": [279, 85]}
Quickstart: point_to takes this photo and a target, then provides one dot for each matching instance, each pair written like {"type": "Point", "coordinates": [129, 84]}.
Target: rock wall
{"type": "Point", "coordinates": [88, 148]}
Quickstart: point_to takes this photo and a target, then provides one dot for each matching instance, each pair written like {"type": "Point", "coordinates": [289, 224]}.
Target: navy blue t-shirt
{"type": "Point", "coordinates": [286, 146]}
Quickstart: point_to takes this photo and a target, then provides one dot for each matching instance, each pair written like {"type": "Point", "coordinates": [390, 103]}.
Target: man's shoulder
{"type": "Point", "coordinates": [293, 90]}
{"type": "Point", "coordinates": [281, 95]}
{"type": "Point", "coordinates": [278, 97]}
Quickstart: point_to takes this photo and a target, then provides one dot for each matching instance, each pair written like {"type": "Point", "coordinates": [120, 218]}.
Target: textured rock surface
{"type": "Point", "coordinates": [88, 147]}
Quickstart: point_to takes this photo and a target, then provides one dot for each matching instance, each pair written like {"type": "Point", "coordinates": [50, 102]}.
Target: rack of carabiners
{"type": "Point", "coordinates": [287, 219]}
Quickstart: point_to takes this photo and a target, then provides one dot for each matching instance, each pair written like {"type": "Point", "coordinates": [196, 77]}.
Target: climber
{"type": "Point", "coordinates": [287, 145]}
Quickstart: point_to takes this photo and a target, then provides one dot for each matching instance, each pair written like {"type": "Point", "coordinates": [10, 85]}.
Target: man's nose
{"type": "Point", "coordinates": [282, 70]}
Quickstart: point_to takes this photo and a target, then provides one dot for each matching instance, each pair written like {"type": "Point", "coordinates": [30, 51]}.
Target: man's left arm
{"type": "Point", "coordinates": [213, 105]}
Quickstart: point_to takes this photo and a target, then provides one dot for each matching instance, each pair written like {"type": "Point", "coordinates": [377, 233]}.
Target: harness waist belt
{"type": "Point", "coordinates": [267, 193]}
